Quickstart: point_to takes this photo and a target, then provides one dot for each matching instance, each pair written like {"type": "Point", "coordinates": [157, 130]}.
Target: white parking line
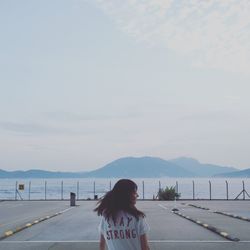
{"type": "Point", "coordinates": [196, 241]}
{"type": "Point", "coordinates": [67, 209]}
{"type": "Point", "coordinates": [162, 206]}
{"type": "Point", "coordinates": [17, 205]}
{"type": "Point", "coordinates": [152, 241]}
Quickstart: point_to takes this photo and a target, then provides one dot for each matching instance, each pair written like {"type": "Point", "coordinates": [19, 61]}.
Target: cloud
{"type": "Point", "coordinates": [212, 34]}
{"type": "Point", "coordinates": [78, 117]}
{"type": "Point", "coordinates": [209, 116]}
{"type": "Point", "coordinates": [31, 128]}
{"type": "Point", "coordinates": [66, 123]}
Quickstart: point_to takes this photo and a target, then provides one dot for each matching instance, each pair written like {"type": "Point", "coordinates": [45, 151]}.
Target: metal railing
{"type": "Point", "coordinates": [86, 190]}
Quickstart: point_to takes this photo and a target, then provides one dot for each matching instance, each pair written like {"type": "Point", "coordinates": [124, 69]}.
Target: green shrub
{"type": "Point", "coordinates": [168, 194]}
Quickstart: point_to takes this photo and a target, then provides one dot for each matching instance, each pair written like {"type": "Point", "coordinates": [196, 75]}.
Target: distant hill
{"type": "Point", "coordinates": [37, 174]}
{"type": "Point", "coordinates": [136, 167]}
{"type": "Point", "coordinates": [200, 169]}
{"type": "Point", "coordinates": [146, 167]}
{"type": "Point", "coordinates": [236, 174]}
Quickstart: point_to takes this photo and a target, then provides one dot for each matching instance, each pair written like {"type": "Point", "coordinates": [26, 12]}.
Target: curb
{"type": "Point", "coordinates": [223, 213]}
{"type": "Point", "coordinates": [204, 208]}
{"type": "Point", "coordinates": [233, 216]}
{"type": "Point", "coordinates": [211, 228]}
{"type": "Point", "coordinates": [29, 224]}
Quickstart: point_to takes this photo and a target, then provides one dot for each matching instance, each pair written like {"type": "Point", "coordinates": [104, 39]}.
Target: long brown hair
{"type": "Point", "coordinates": [119, 199]}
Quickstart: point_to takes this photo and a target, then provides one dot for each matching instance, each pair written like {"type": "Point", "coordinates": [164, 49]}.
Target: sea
{"type": "Point", "coordinates": [89, 188]}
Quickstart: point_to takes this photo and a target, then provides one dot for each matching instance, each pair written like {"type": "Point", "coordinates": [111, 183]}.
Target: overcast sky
{"type": "Point", "coordinates": [84, 82]}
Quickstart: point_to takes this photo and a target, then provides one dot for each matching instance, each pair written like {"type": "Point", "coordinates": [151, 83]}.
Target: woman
{"type": "Point", "coordinates": [122, 226]}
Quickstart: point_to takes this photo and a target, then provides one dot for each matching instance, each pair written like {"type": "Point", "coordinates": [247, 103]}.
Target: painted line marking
{"type": "Point", "coordinates": [209, 227]}
{"type": "Point", "coordinates": [8, 233]}
{"type": "Point", "coordinates": [206, 226]}
{"type": "Point", "coordinates": [200, 207]}
{"type": "Point", "coordinates": [221, 213]}
{"type": "Point", "coordinates": [233, 216]}
{"type": "Point", "coordinates": [224, 234]}
{"type": "Point", "coordinates": [162, 206]}
{"type": "Point", "coordinates": [13, 222]}
{"type": "Point", "coordinates": [18, 205]}
{"type": "Point", "coordinates": [153, 241]}
{"type": "Point", "coordinates": [65, 210]}
{"type": "Point", "coordinates": [23, 219]}
{"type": "Point", "coordinates": [27, 225]}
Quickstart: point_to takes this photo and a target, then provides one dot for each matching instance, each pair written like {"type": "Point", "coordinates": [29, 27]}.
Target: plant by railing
{"type": "Point", "coordinates": [168, 193]}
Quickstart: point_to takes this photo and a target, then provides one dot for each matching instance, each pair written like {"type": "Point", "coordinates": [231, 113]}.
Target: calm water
{"type": "Point", "coordinates": [37, 189]}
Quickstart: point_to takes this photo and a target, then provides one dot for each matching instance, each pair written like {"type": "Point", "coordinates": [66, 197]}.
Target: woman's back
{"type": "Point", "coordinates": [124, 233]}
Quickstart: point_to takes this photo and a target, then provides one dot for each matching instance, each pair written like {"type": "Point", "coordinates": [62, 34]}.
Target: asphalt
{"type": "Point", "coordinates": [55, 225]}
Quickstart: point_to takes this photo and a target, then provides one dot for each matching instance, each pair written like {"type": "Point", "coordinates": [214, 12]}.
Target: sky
{"type": "Point", "coordinates": [85, 82]}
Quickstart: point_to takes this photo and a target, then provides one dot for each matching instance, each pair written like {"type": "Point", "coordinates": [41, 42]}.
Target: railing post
{"type": "Point", "coordinates": [143, 190]}
{"type": "Point", "coordinates": [227, 189]}
{"type": "Point", "coordinates": [109, 185]}
{"type": "Point", "coordinates": [45, 190]}
{"type": "Point", "coordinates": [62, 190]}
{"type": "Point", "coordinates": [94, 189]}
{"type": "Point", "coordinates": [16, 191]}
{"type": "Point", "coordinates": [210, 191]}
{"type": "Point", "coordinates": [243, 186]}
{"type": "Point", "coordinates": [193, 191]}
{"type": "Point", "coordinates": [176, 187]}
{"type": "Point", "coordinates": [159, 185]}
{"type": "Point", "coordinates": [29, 189]}
{"type": "Point", "coordinates": [77, 190]}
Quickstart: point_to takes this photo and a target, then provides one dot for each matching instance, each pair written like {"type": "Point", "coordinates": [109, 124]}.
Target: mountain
{"type": "Point", "coordinates": [136, 167]}
{"type": "Point", "coordinates": [4, 174]}
{"type": "Point", "coordinates": [200, 169]}
{"type": "Point", "coordinates": [236, 174]}
{"type": "Point", "coordinates": [37, 174]}
{"type": "Point", "coordinates": [142, 167]}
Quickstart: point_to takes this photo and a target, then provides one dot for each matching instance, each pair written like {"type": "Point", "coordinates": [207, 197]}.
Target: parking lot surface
{"type": "Point", "coordinates": [194, 225]}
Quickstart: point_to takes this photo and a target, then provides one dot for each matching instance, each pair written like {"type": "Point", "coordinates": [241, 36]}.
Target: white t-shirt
{"type": "Point", "coordinates": [125, 233]}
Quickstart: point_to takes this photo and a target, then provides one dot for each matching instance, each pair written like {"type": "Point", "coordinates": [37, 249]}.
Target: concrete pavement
{"type": "Point", "coordinates": [76, 227]}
